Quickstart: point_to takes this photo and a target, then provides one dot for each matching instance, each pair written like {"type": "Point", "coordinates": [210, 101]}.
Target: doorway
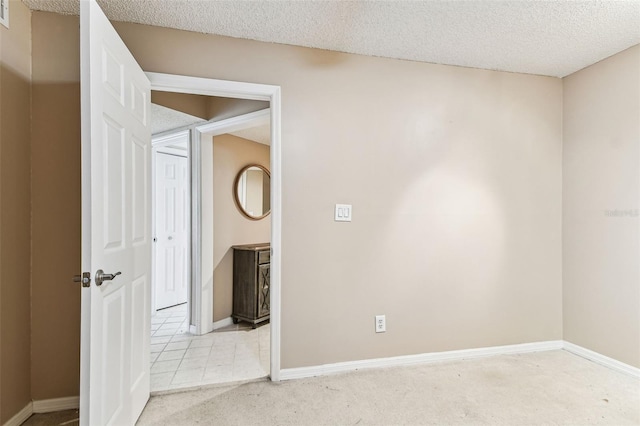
{"type": "Point", "coordinates": [116, 215]}
{"type": "Point", "coordinates": [181, 354]}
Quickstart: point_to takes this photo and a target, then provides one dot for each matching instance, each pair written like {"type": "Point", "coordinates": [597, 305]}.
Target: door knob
{"type": "Point", "coordinates": [101, 276]}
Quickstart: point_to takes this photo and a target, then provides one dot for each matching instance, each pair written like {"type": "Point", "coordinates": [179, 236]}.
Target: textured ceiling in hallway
{"type": "Point", "coordinates": [554, 38]}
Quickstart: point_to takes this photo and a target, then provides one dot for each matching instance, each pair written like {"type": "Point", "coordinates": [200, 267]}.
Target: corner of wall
{"type": "Point", "coordinates": [15, 212]}
{"type": "Point", "coordinates": [601, 183]}
{"type": "Point", "coordinates": [55, 206]}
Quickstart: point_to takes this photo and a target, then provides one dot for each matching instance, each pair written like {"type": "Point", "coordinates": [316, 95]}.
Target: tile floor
{"type": "Point", "coordinates": [182, 360]}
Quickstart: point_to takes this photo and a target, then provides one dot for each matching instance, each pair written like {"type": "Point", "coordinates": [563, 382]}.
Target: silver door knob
{"type": "Point", "coordinates": [101, 276]}
{"type": "Point", "coordinates": [170, 237]}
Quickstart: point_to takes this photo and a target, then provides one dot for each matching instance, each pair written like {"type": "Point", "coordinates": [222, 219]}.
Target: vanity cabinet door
{"type": "Point", "coordinates": [264, 285]}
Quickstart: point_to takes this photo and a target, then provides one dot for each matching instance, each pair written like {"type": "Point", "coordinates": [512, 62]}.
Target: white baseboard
{"type": "Point", "coordinates": [222, 323]}
{"type": "Point", "coordinates": [426, 358]}
{"type": "Point", "coordinates": [44, 406]}
{"type": "Point", "coordinates": [602, 359]}
{"type": "Point", "coordinates": [21, 416]}
{"type": "Point", "coordinates": [57, 404]}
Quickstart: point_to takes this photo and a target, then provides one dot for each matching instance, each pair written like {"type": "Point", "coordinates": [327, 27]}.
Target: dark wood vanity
{"type": "Point", "coordinates": [251, 268]}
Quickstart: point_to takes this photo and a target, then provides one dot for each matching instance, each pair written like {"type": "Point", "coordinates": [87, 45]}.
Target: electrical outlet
{"type": "Point", "coordinates": [381, 324]}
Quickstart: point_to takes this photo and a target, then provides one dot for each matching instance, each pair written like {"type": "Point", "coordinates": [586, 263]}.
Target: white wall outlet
{"type": "Point", "coordinates": [343, 213]}
{"type": "Point", "coordinates": [381, 324]}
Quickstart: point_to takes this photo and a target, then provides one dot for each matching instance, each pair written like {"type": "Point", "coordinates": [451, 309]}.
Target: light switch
{"type": "Point", "coordinates": [343, 213]}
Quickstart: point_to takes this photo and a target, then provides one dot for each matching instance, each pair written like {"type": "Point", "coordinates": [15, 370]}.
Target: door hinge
{"type": "Point", "coordinates": [85, 279]}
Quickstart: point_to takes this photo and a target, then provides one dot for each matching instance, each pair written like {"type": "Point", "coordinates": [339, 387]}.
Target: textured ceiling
{"type": "Point", "coordinates": [163, 119]}
{"type": "Point", "coordinates": [552, 38]}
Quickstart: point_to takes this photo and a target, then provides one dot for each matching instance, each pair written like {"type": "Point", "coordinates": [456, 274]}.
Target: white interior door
{"type": "Point", "coordinates": [172, 229]}
{"type": "Point", "coordinates": [116, 230]}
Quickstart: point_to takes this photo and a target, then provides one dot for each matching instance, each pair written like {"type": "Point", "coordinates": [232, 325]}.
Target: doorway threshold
{"type": "Point", "coordinates": [182, 361]}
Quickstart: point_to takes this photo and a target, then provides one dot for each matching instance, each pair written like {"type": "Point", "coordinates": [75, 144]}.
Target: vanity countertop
{"type": "Point", "coordinates": [252, 247]}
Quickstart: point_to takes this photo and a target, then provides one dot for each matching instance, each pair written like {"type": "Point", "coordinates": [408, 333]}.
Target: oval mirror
{"type": "Point", "coordinates": [252, 191]}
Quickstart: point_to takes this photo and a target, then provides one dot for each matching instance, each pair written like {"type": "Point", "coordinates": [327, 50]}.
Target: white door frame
{"type": "Point", "coordinates": [239, 90]}
{"type": "Point", "coordinates": [160, 144]}
{"type": "Point", "coordinates": [202, 322]}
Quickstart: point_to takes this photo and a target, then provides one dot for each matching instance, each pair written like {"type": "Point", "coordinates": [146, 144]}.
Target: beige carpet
{"type": "Point", "coordinates": [553, 387]}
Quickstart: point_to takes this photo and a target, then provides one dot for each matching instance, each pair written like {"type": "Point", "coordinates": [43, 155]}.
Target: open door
{"type": "Point", "coordinates": [116, 229]}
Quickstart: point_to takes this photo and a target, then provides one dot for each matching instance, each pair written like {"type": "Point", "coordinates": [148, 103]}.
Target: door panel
{"type": "Point", "coordinates": [116, 226]}
{"type": "Point", "coordinates": [138, 319]}
{"type": "Point", "coordinates": [113, 191]}
{"type": "Point", "coordinates": [111, 370]}
{"type": "Point", "coordinates": [139, 211]}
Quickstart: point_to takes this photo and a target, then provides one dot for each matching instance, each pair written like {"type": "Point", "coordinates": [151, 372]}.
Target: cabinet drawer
{"type": "Point", "coordinates": [264, 257]}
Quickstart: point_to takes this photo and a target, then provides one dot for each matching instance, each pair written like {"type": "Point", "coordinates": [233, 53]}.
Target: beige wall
{"type": "Point", "coordinates": [56, 207]}
{"type": "Point", "coordinates": [601, 191]}
{"type": "Point", "coordinates": [230, 155]}
{"type": "Point", "coordinates": [15, 165]}
{"type": "Point", "coordinates": [454, 175]}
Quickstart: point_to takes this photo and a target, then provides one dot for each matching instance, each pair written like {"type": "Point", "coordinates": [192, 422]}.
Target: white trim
{"type": "Point", "coordinates": [56, 404]}
{"type": "Point", "coordinates": [222, 323]}
{"type": "Point", "coordinates": [210, 87]}
{"type": "Point", "coordinates": [602, 359]}
{"type": "Point", "coordinates": [204, 205]}
{"type": "Point", "coordinates": [21, 416]}
{"type": "Point", "coordinates": [169, 137]}
{"type": "Point", "coordinates": [275, 269]}
{"type": "Point", "coordinates": [196, 312]}
{"type": "Point", "coordinates": [44, 406]}
{"type": "Point", "coordinates": [263, 92]}
{"type": "Point", "coordinates": [426, 358]}
{"type": "Point", "coordinates": [233, 124]}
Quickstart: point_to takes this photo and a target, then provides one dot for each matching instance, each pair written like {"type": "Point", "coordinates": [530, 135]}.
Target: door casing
{"type": "Point", "coordinates": [202, 303]}
{"type": "Point", "coordinates": [201, 134]}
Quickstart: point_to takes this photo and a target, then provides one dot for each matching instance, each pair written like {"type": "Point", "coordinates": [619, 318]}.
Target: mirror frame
{"type": "Point", "coordinates": [235, 191]}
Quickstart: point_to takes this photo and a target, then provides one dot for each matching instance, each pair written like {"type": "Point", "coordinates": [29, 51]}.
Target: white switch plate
{"type": "Point", "coordinates": [343, 213]}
